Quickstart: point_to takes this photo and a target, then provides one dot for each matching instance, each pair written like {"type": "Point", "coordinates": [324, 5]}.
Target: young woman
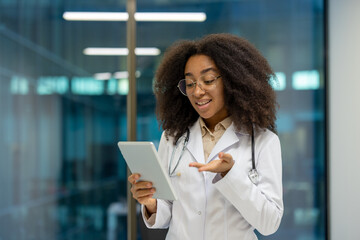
{"type": "Point", "coordinates": [217, 108]}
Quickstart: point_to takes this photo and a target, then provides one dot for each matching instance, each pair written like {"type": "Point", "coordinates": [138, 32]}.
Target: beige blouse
{"type": "Point", "coordinates": [211, 138]}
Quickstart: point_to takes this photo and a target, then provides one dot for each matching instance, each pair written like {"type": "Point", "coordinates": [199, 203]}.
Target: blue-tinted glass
{"type": "Point", "coordinates": [290, 34]}
{"type": "Point", "coordinates": [61, 174]}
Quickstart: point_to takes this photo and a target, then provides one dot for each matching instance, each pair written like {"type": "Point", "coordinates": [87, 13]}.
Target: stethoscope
{"type": "Point", "coordinates": [253, 173]}
{"type": "Point", "coordinates": [172, 172]}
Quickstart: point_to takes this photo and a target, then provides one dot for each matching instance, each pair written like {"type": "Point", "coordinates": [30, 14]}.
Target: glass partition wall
{"type": "Point", "coordinates": [60, 120]}
{"type": "Point", "coordinates": [63, 108]}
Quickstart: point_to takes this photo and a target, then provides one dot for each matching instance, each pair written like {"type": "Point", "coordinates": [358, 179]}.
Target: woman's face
{"type": "Point", "coordinates": [210, 105]}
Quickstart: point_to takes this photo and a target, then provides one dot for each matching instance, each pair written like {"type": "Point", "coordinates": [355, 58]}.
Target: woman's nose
{"type": "Point", "coordinates": [198, 91]}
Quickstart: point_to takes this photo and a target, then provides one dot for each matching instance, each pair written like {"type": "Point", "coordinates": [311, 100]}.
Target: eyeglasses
{"type": "Point", "coordinates": [206, 82]}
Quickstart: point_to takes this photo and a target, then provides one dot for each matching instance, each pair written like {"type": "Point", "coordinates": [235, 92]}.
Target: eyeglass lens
{"type": "Point", "coordinates": [206, 83]}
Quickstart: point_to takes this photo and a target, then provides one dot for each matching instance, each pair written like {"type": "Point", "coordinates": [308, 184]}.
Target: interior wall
{"type": "Point", "coordinates": [344, 112]}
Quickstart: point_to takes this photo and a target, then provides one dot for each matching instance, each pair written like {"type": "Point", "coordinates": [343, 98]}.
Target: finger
{"type": "Point", "coordinates": [144, 193]}
{"type": "Point", "coordinates": [196, 164]}
{"type": "Point", "coordinates": [211, 166]}
{"type": "Point", "coordinates": [142, 185]}
{"type": "Point", "coordinates": [225, 156]}
{"type": "Point", "coordinates": [143, 200]}
{"type": "Point", "coordinates": [133, 178]}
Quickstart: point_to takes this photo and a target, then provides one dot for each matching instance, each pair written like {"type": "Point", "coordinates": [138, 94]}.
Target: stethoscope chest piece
{"type": "Point", "coordinates": [254, 176]}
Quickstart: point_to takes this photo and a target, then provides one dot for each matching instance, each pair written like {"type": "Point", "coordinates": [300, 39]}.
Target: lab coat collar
{"type": "Point", "coordinates": [195, 144]}
{"type": "Point", "coordinates": [229, 138]}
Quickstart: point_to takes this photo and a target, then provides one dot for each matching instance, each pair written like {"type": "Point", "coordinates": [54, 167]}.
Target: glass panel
{"type": "Point", "coordinates": [61, 174]}
{"type": "Point", "coordinates": [290, 34]}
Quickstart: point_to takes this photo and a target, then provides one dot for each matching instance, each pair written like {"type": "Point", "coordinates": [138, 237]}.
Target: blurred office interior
{"type": "Point", "coordinates": [63, 108]}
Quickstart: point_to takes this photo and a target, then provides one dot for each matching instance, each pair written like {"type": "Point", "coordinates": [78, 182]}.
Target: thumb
{"type": "Point", "coordinates": [225, 156]}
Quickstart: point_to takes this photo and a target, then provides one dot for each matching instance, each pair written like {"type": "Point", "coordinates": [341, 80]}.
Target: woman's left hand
{"type": "Point", "coordinates": [221, 165]}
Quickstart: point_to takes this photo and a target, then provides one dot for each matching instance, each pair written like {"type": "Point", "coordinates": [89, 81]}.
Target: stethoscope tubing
{"type": "Point", "coordinates": [253, 150]}
{"type": "Point", "coordinates": [181, 154]}
{"type": "Point", "coordinates": [253, 174]}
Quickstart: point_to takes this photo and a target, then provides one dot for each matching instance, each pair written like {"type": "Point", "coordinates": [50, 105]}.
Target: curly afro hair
{"type": "Point", "coordinates": [246, 75]}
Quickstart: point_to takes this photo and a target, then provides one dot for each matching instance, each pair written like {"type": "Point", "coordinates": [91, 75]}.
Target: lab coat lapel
{"type": "Point", "coordinates": [195, 144]}
{"type": "Point", "coordinates": [227, 140]}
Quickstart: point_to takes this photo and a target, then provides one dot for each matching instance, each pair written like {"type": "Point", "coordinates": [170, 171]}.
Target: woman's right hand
{"type": "Point", "coordinates": [142, 192]}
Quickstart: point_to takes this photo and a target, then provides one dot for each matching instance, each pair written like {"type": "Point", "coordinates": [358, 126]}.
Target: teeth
{"type": "Point", "coordinates": [203, 103]}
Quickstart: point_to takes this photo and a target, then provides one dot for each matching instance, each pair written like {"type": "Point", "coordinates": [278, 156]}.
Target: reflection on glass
{"type": "Point", "coordinates": [61, 174]}
{"type": "Point", "coordinates": [290, 34]}
{"type": "Point", "coordinates": [279, 83]}
{"type": "Point", "coordinates": [306, 80]}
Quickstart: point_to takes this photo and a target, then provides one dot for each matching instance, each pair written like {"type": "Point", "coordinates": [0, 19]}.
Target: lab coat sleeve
{"type": "Point", "coordinates": [162, 216]}
{"type": "Point", "coordinates": [261, 205]}
{"type": "Point", "coordinates": [164, 208]}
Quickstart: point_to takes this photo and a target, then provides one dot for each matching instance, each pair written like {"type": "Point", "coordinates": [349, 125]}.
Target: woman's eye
{"type": "Point", "coordinates": [190, 85]}
{"type": "Point", "coordinates": [209, 82]}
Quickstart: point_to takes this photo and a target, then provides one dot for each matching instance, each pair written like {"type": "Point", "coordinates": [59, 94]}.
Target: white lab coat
{"type": "Point", "coordinates": [212, 207]}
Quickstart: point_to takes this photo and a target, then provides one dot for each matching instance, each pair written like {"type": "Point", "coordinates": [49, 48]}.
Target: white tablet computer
{"type": "Point", "coordinates": [142, 158]}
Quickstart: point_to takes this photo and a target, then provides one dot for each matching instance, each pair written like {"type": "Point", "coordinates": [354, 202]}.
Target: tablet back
{"type": "Point", "coordinates": [142, 158]}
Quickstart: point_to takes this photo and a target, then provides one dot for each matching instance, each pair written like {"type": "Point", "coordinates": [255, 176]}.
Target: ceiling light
{"type": "Point", "coordinates": [106, 51]}
{"type": "Point", "coordinates": [147, 51]}
{"type": "Point", "coordinates": [170, 17]}
{"type": "Point", "coordinates": [121, 51]}
{"type": "Point", "coordinates": [102, 76]}
{"type": "Point", "coordinates": [124, 74]}
{"type": "Point", "coordinates": [139, 16]}
{"type": "Point", "coordinates": [95, 16]}
{"type": "Point", "coordinates": [121, 75]}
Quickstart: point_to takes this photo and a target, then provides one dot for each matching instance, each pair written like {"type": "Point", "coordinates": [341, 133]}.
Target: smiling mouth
{"type": "Point", "coordinates": [203, 103]}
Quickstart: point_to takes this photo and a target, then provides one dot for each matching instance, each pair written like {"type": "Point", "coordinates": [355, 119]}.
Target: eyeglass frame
{"type": "Point", "coordinates": [195, 82]}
